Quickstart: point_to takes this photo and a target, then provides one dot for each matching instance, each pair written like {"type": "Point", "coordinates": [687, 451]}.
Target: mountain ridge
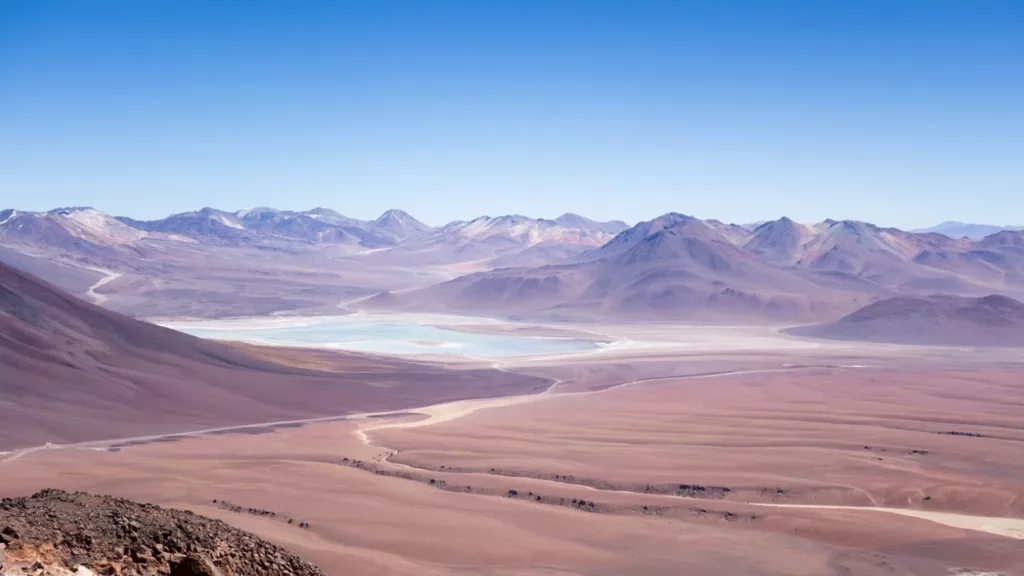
{"type": "Point", "coordinates": [678, 266]}
{"type": "Point", "coordinates": [992, 320]}
{"type": "Point", "coordinates": [673, 264]}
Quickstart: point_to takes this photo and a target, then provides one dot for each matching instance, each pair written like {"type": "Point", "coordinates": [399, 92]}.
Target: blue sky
{"type": "Point", "coordinates": [896, 112]}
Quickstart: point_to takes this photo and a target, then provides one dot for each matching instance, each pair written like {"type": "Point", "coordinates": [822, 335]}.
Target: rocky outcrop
{"type": "Point", "coordinates": [60, 533]}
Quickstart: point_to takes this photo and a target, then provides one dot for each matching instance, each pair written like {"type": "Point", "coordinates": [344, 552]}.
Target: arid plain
{"type": "Point", "coordinates": [676, 450]}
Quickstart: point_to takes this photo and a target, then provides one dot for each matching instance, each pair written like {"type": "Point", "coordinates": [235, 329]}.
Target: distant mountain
{"type": "Point", "coordinates": [868, 258]}
{"type": "Point", "coordinates": [733, 232]}
{"type": "Point", "coordinates": [781, 241]}
{"type": "Point", "coordinates": [260, 225]}
{"type": "Point", "coordinates": [679, 266]}
{"type": "Point", "coordinates": [399, 225]}
{"type": "Point", "coordinates": [333, 217]}
{"type": "Point", "coordinates": [312, 227]}
{"type": "Point", "coordinates": [67, 228]}
{"type": "Point", "coordinates": [674, 266]}
{"type": "Point", "coordinates": [935, 320]}
{"type": "Point", "coordinates": [503, 240]}
{"type": "Point", "coordinates": [964, 230]}
{"type": "Point", "coordinates": [570, 220]}
{"type": "Point", "coordinates": [529, 231]}
{"type": "Point", "coordinates": [632, 236]}
{"type": "Point", "coordinates": [207, 224]}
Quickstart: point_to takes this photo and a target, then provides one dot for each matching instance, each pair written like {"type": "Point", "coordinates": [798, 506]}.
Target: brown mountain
{"type": "Point", "coordinates": [72, 371]}
{"type": "Point", "coordinates": [935, 320]}
{"type": "Point", "coordinates": [680, 267]}
{"type": "Point", "coordinates": [873, 259]}
{"type": "Point", "coordinates": [253, 262]}
{"type": "Point", "coordinates": [780, 241]}
{"type": "Point", "coordinates": [675, 266]}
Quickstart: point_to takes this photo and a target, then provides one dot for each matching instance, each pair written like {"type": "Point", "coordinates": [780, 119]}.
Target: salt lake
{"type": "Point", "coordinates": [380, 335]}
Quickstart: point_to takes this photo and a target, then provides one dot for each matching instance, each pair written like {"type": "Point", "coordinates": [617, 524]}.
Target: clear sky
{"type": "Point", "coordinates": [896, 112]}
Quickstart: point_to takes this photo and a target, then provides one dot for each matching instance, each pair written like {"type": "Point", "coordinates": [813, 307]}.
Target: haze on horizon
{"type": "Point", "coordinates": [899, 113]}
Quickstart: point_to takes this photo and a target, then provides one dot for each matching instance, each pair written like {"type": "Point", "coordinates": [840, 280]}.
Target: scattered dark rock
{"type": "Point", "coordinates": [698, 491]}
{"type": "Point", "coordinates": [955, 433]}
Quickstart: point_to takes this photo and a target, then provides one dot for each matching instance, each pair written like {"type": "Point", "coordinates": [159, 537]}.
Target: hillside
{"type": "Point", "coordinates": [934, 320]}
{"type": "Point", "coordinates": [73, 371]}
{"type": "Point", "coordinates": [57, 533]}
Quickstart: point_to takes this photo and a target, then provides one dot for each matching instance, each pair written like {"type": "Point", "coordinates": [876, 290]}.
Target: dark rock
{"type": "Point", "coordinates": [195, 565]}
{"type": "Point", "coordinates": [8, 535]}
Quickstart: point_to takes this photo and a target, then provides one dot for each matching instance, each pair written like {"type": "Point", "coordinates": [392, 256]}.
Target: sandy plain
{"type": "Point", "coordinates": [679, 450]}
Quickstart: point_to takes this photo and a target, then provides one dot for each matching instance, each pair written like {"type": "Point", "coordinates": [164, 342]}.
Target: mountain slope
{"type": "Point", "coordinates": [872, 259]}
{"type": "Point", "coordinates": [73, 371]}
{"type": "Point", "coordinates": [78, 228]}
{"type": "Point", "coordinates": [674, 266]}
{"type": "Point", "coordinates": [206, 225]}
{"type": "Point", "coordinates": [570, 220]}
{"type": "Point", "coordinates": [965, 230]}
{"type": "Point", "coordinates": [266, 225]}
{"type": "Point", "coordinates": [936, 320]}
{"type": "Point", "coordinates": [780, 241]}
{"type": "Point", "coordinates": [399, 225]}
{"type": "Point", "coordinates": [503, 240]}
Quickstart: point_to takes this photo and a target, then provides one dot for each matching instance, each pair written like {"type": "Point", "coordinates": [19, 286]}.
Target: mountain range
{"type": "Point", "coordinates": [216, 263]}
{"type": "Point", "coordinates": [80, 227]}
{"type": "Point", "coordinates": [677, 266]}
{"type": "Point", "coordinates": [964, 230]}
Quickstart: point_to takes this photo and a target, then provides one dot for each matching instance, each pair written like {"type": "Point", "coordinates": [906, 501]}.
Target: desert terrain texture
{"type": "Point", "coordinates": [787, 457]}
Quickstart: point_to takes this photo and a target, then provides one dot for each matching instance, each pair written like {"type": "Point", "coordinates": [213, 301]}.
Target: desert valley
{"type": "Point", "coordinates": [463, 288]}
{"type": "Point", "coordinates": [512, 395]}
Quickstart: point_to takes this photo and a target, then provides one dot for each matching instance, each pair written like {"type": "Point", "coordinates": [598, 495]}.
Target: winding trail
{"type": "Point", "coordinates": [439, 413]}
{"type": "Point", "coordinates": [22, 452]}
{"type": "Point", "coordinates": [1009, 527]}
{"type": "Point", "coordinates": [109, 277]}
{"type": "Point", "coordinates": [449, 411]}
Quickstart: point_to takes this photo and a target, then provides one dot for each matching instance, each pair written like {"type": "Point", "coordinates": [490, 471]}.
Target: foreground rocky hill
{"type": "Point", "coordinates": [57, 532]}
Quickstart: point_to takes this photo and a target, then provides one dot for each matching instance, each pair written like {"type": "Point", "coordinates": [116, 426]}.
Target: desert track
{"type": "Point", "coordinates": [447, 412]}
{"type": "Point", "coordinates": [109, 277]}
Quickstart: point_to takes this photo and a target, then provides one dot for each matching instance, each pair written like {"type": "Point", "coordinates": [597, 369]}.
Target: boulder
{"type": "Point", "coordinates": [195, 565]}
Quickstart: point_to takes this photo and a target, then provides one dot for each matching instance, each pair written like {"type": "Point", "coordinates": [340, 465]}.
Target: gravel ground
{"type": "Point", "coordinates": [55, 533]}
